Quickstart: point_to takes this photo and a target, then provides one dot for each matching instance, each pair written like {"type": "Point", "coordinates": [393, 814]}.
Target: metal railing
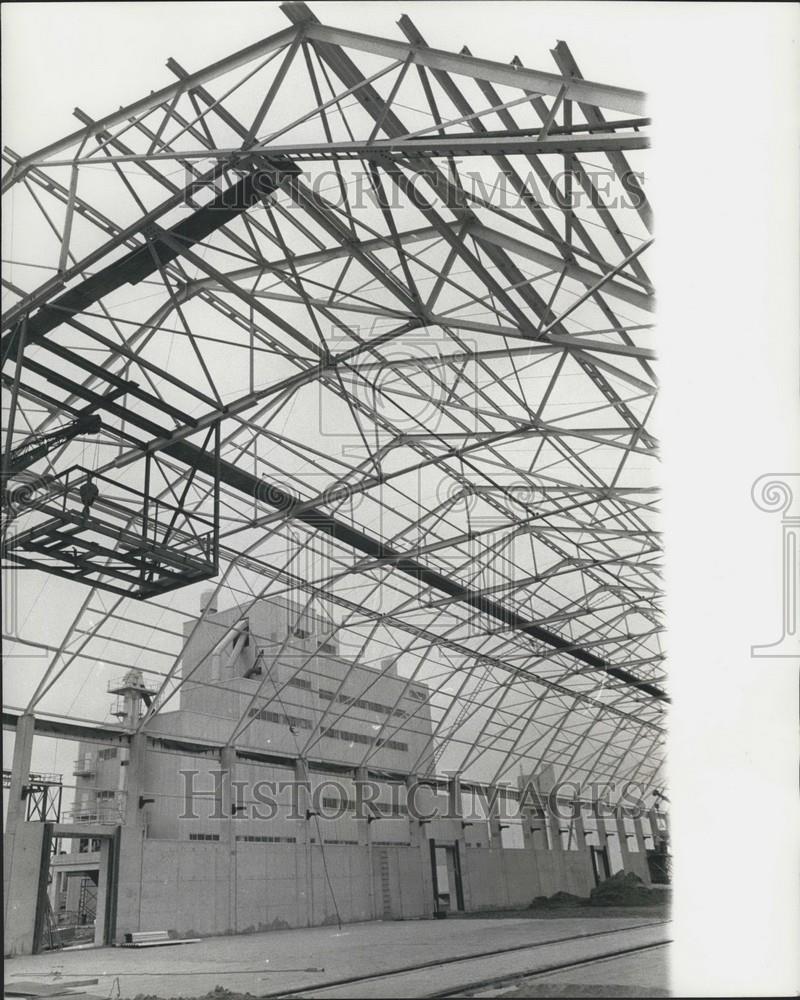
{"type": "Point", "coordinates": [85, 764]}
{"type": "Point", "coordinates": [106, 811]}
{"type": "Point", "coordinates": [132, 680]}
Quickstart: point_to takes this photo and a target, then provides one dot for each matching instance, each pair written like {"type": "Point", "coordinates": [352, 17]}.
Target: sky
{"type": "Point", "coordinates": [723, 81]}
{"type": "Point", "coordinates": [87, 44]}
{"type": "Point", "coordinates": [58, 54]}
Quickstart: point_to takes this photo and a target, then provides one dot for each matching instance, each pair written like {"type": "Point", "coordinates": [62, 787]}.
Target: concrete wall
{"type": "Point", "coordinates": [196, 889]}
{"type": "Point", "coordinates": [22, 863]}
{"type": "Point", "coordinates": [497, 878]}
{"type": "Point", "coordinates": [402, 882]}
{"type": "Point", "coordinates": [199, 888]}
{"type": "Point", "coordinates": [218, 887]}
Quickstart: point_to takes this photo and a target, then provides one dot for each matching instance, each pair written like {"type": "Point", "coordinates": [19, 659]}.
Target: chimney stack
{"type": "Point", "coordinates": [208, 602]}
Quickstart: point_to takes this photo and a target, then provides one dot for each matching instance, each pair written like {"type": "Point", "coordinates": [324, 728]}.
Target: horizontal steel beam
{"type": "Point", "coordinates": [474, 144]}
{"type": "Point", "coordinates": [632, 296]}
{"type": "Point", "coordinates": [482, 233]}
{"type": "Point", "coordinates": [316, 257]}
{"type": "Point", "coordinates": [62, 729]}
{"type": "Point", "coordinates": [587, 92]}
{"type": "Point", "coordinates": [256, 488]}
{"type": "Point", "coordinates": [145, 260]}
{"type": "Point", "coordinates": [137, 265]}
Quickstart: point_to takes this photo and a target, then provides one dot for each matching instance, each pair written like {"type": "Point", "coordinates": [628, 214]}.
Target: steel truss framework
{"type": "Point", "coordinates": [410, 287]}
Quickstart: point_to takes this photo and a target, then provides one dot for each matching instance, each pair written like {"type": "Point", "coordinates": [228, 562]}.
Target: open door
{"type": "Point", "coordinates": [448, 893]}
{"type": "Point", "coordinates": [77, 888]}
{"type": "Point", "coordinates": [600, 865]}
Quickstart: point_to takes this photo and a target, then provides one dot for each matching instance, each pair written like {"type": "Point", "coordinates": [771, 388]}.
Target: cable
{"type": "Point", "coordinates": [320, 837]}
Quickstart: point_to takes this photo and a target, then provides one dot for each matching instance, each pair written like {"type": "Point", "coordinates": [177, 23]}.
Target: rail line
{"type": "Point", "coordinates": [384, 979]}
{"type": "Point", "coordinates": [520, 977]}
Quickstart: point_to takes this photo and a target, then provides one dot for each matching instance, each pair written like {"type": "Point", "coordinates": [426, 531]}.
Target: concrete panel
{"type": "Point", "coordinates": [22, 866]}
{"type": "Point", "coordinates": [159, 905]}
{"type": "Point", "coordinates": [521, 877]}
{"type": "Point", "coordinates": [579, 873]}
{"type": "Point", "coordinates": [212, 887]}
{"type": "Point", "coordinates": [414, 897]}
{"type": "Point", "coordinates": [161, 860]}
{"type": "Point", "coordinates": [484, 872]}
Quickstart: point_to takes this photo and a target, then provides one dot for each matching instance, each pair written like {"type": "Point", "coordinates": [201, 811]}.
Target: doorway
{"type": "Point", "coordinates": [77, 888]}
{"type": "Point", "coordinates": [600, 865]}
{"type": "Point", "coordinates": [448, 893]}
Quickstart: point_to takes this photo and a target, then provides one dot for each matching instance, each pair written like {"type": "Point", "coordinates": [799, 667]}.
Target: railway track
{"type": "Point", "coordinates": [452, 977]}
{"type": "Point", "coordinates": [475, 988]}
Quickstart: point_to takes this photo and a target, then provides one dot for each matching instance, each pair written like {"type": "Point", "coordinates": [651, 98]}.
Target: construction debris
{"type": "Point", "coordinates": [625, 889]}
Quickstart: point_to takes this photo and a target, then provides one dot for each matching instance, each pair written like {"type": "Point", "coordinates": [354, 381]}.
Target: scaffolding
{"type": "Point", "coordinates": [415, 383]}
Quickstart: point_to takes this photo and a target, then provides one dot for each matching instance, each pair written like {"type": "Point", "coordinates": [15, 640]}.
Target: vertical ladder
{"type": "Point", "coordinates": [386, 884]}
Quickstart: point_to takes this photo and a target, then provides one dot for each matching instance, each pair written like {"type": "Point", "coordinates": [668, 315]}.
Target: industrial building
{"type": "Point", "coordinates": [330, 496]}
{"type": "Point", "coordinates": [263, 659]}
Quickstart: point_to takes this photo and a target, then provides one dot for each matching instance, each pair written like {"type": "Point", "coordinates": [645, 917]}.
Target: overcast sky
{"type": "Point", "coordinates": [723, 79]}
{"type": "Point", "coordinates": [109, 52]}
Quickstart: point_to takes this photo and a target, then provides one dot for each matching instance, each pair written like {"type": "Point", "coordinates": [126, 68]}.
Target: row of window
{"type": "Point", "coordinates": [108, 753]}
{"type": "Point", "coordinates": [252, 838]}
{"type": "Point", "coordinates": [295, 722]}
{"type": "Point", "coordinates": [258, 839]}
{"type": "Point", "coordinates": [386, 808]}
{"type": "Point", "coordinates": [105, 794]}
{"type": "Point", "coordinates": [370, 706]}
{"type": "Point", "coordinates": [292, 721]}
{"type": "Point", "coordinates": [341, 734]}
{"type": "Point", "coordinates": [85, 845]}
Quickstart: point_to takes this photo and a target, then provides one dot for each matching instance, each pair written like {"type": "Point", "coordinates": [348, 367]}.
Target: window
{"type": "Point", "coordinates": [108, 753]}
{"type": "Point", "coordinates": [258, 839]}
{"type": "Point", "coordinates": [203, 836]}
{"type": "Point", "coordinates": [292, 721]}
{"type": "Point", "coordinates": [417, 694]}
{"type": "Point", "coordinates": [369, 706]}
{"type": "Point", "coordinates": [299, 682]}
{"type": "Point", "coordinates": [106, 794]}
{"type": "Point", "coordinates": [384, 808]}
{"type": "Point", "coordinates": [328, 647]}
{"type": "Point", "coordinates": [341, 734]}
{"type": "Point", "coordinates": [300, 633]}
